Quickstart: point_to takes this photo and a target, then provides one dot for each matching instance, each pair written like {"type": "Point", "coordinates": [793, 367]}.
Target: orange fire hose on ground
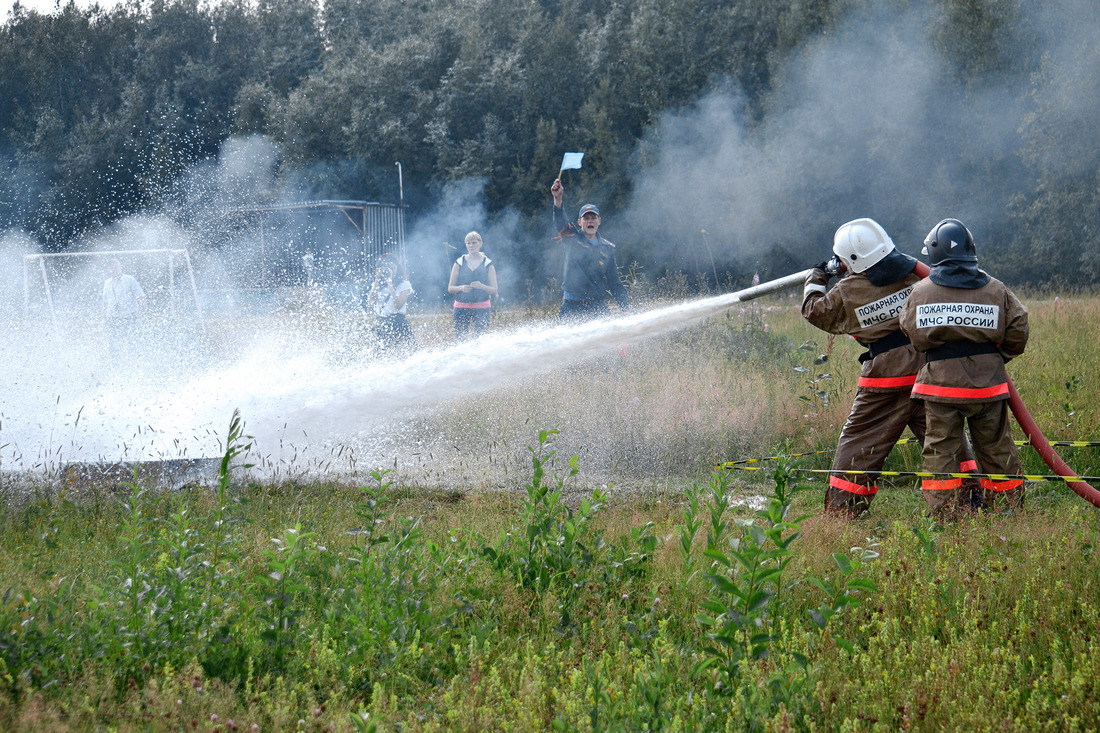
{"type": "Point", "coordinates": [1046, 450]}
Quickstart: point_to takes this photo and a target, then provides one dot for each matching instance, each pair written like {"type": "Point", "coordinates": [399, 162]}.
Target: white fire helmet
{"type": "Point", "coordinates": [861, 244]}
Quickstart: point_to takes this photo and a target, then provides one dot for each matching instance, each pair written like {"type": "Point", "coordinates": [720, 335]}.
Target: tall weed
{"type": "Point", "coordinates": [743, 612]}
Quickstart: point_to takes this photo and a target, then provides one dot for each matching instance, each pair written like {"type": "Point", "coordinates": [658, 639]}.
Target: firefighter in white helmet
{"type": "Point", "coordinates": [968, 325]}
{"type": "Point", "coordinates": [865, 304]}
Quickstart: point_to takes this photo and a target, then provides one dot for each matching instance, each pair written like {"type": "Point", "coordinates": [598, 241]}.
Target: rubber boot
{"type": "Point", "coordinates": [846, 504]}
{"type": "Point", "coordinates": [943, 505]}
{"type": "Point", "coordinates": [972, 496]}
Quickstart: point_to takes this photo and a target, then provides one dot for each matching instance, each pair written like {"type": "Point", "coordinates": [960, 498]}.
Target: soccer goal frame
{"type": "Point", "coordinates": [29, 261]}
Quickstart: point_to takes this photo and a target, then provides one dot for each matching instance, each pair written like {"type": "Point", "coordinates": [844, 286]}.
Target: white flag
{"type": "Point", "coordinates": [571, 160]}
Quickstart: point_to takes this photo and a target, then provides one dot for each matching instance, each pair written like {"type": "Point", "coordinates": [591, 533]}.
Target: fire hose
{"type": "Point", "coordinates": [1016, 404]}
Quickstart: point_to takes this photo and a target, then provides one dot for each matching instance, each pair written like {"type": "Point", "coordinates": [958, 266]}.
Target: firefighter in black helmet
{"type": "Point", "coordinates": [968, 325]}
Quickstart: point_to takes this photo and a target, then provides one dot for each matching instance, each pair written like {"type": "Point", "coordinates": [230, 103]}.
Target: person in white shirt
{"type": "Point", "coordinates": [388, 300]}
{"type": "Point", "coordinates": [307, 267]}
{"type": "Point", "coordinates": [123, 300]}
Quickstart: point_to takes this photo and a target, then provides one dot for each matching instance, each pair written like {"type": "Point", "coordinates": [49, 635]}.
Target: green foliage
{"type": "Point", "coordinates": [926, 537]}
{"type": "Point", "coordinates": [556, 547]}
{"type": "Point", "coordinates": [389, 610]}
{"type": "Point", "coordinates": [747, 577]}
{"type": "Point", "coordinates": [401, 615]}
{"type": "Point", "coordinates": [554, 536]}
{"type": "Point", "coordinates": [819, 389]}
{"type": "Point", "coordinates": [983, 37]}
{"type": "Point", "coordinates": [749, 582]}
{"type": "Point", "coordinates": [281, 588]}
{"type": "Point", "coordinates": [688, 531]}
{"type": "Point", "coordinates": [843, 593]}
{"type": "Point", "coordinates": [224, 550]}
{"type": "Point", "coordinates": [1059, 247]}
{"type": "Point", "coordinates": [752, 338]}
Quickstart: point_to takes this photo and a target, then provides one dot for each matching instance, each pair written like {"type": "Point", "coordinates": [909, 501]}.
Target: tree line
{"type": "Point", "coordinates": [102, 111]}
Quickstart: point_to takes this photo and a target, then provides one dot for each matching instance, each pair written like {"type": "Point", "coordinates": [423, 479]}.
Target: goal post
{"type": "Point", "coordinates": [37, 269]}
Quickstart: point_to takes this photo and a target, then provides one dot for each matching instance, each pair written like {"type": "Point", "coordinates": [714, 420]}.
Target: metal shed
{"type": "Point", "coordinates": [380, 228]}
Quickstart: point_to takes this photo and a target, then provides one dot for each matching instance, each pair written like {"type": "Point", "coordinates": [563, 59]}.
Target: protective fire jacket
{"type": "Point", "coordinates": [967, 335]}
{"type": "Point", "coordinates": [590, 269]}
{"type": "Point", "coordinates": [869, 313]}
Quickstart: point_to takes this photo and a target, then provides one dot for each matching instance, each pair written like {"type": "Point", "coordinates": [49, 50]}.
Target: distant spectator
{"type": "Point", "coordinates": [307, 267]}
{"type": "Point", "coordinates": [123, 300]}
{"type": "Point", "coordinates": [388, 300]}
{"type": "Point", "coordinates": [473, 283]}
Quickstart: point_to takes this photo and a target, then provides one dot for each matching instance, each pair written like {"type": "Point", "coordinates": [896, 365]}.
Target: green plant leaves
{"type": "Point", "coordinates": [747, 581]}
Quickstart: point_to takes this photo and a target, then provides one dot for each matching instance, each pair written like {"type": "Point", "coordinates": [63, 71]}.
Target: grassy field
{"type": "Point", "coordinates": [604, 579]}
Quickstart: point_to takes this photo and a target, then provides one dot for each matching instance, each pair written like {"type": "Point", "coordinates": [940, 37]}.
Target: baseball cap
{"type": "Point", "coordinates": [588, 207]}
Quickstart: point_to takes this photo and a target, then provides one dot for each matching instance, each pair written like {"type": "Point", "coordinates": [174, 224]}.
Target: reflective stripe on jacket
{"type": "Point", "coordinates": [936, 315]}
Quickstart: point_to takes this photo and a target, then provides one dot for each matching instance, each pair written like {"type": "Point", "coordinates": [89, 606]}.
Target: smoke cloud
{"type": "Point", "coordinates": [868, 120]}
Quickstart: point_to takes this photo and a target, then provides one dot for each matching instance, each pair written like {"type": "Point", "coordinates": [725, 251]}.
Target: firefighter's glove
{"type": "Point", "coordinates": [829, 267]}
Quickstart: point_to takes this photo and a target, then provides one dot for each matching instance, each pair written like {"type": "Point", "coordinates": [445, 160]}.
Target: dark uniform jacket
{"type": "Point", "coordinates": [590, 269]}
{"type": "Point", "coordinates": [967, 336]}
{"type": "Point", "coordinates": [466, 276]}
{"type": "Point", "coordinates": [869, 313]}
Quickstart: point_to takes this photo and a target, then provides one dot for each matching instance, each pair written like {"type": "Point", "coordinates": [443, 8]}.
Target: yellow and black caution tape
{"type": "Point", "coordinates": [926, 474]}
{"type": "Point", "coordinates": [1063, 443]}
{"type": "Point", "coordinates": [902, 441]}
{"type": "Point", "coordinates": [731, 464]}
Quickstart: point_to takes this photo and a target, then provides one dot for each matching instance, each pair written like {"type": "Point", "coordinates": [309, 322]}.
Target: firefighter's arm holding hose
{"type": "Point", "coordinates": [821, 307]}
